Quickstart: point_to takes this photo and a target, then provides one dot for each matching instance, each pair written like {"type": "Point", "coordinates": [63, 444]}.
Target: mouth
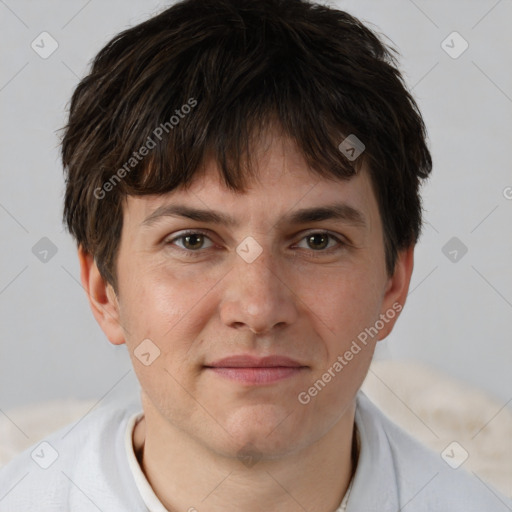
{"type": "Point", "coordinates": [252, 370]}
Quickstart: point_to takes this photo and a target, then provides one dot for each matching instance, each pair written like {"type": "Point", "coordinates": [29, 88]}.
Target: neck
{"type": "Point", "coordinates": [187, 475]}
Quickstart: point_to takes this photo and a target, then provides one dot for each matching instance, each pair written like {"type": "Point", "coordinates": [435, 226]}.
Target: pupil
{"type": "Point", "coordinates": [193, 241]}
{"type": "Point", "coordinates": [318, 241]}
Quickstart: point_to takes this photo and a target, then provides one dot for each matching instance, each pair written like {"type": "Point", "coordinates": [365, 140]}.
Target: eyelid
{"type": "Point", "coordinates": [340, 239]}
{"type": "Point", "coordinates": [183, 233]}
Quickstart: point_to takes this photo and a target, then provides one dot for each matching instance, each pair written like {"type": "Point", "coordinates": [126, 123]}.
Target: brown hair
{"type": "Point", "coordinates": [201, 78]}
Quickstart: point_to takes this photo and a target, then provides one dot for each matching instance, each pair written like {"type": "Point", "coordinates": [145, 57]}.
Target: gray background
{"type": "Point", "coordinates": [458, 316]}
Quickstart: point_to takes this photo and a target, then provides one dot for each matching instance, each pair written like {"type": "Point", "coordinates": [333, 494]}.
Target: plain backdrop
{"type": "Point", "coordinates": [458, 317]}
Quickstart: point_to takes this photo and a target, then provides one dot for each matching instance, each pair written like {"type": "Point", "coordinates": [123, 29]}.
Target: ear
{"type": "Point", "coordinates": [102, 298]}
{"type": "Point", "coordinates": [396, 291]}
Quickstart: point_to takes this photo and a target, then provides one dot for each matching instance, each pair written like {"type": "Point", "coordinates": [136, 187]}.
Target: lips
{"type": "Point", "coordinates": [251, 370]}
{"type": "Point", "coordinates": [248, 361]}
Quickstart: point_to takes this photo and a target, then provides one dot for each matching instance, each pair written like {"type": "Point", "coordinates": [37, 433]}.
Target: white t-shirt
{"type": "Point", "coordinates": [92, 466]}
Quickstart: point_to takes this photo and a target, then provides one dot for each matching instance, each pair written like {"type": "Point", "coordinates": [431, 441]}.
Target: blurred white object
{"type": "Point", "coordinates": [448, 416]}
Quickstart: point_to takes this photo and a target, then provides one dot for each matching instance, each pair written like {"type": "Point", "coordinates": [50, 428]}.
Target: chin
{"type": "Point", "coordinates": [264, 431]}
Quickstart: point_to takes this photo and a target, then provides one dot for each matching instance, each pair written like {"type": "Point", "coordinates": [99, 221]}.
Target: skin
{"type": "Point", "coordinates": [305, 299]}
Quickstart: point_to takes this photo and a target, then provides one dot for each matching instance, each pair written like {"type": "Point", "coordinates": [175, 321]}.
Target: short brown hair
{"type": "Point", "coordinates": [238, 65]}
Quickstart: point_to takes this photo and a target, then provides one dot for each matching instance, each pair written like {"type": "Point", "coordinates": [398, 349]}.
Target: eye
{"type": "Point", "coordinates": [320, 241]}
{"type": "Point", "coordinates": [191, 241]}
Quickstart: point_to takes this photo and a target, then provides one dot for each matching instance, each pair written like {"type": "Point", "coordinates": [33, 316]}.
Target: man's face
{"type": "Point", "coordinates": [278, 280]}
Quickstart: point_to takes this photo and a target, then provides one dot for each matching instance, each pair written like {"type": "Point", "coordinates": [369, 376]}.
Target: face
{"type": "Point", "coordinates": [287, 276]}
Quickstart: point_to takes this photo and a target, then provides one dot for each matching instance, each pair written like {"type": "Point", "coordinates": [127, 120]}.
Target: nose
{"type": "Point", "coordinates": [258, 296]}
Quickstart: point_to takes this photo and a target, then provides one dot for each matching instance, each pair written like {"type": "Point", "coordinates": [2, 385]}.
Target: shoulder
{"type": "Point", "coordinates": [75, 465]}
{"type": "Point", "coordinates": [421, 478]}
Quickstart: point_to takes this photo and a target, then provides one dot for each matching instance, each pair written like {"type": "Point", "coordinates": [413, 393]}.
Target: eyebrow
{"type": "Point", "coordinates": [335, 211]}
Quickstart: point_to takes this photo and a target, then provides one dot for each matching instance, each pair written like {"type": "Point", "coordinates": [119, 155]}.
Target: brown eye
{"type": "Point", "coordinates": [321, 242]}
{"type": "Point", "coordinates": [194, 241]}
{"type": "Point", "coordinates": [318, 241]}
{"type": "Point", "coordinates": [191, 241]}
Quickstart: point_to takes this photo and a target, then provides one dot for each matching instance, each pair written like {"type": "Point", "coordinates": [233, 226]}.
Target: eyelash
{"type": "Point", "coordinates": [198, 252]}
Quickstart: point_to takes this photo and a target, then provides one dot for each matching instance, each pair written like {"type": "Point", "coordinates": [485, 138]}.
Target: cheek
{"type": "Point", "coordinates": [168, 307]}
{"type": "Point", "coordinates": [342, 309]}
{"type": "Point", "coordinates": [344, 302]}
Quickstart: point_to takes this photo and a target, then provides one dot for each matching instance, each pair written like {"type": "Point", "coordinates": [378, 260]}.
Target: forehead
{"type": "Point", "coordinates": [282, 182]}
